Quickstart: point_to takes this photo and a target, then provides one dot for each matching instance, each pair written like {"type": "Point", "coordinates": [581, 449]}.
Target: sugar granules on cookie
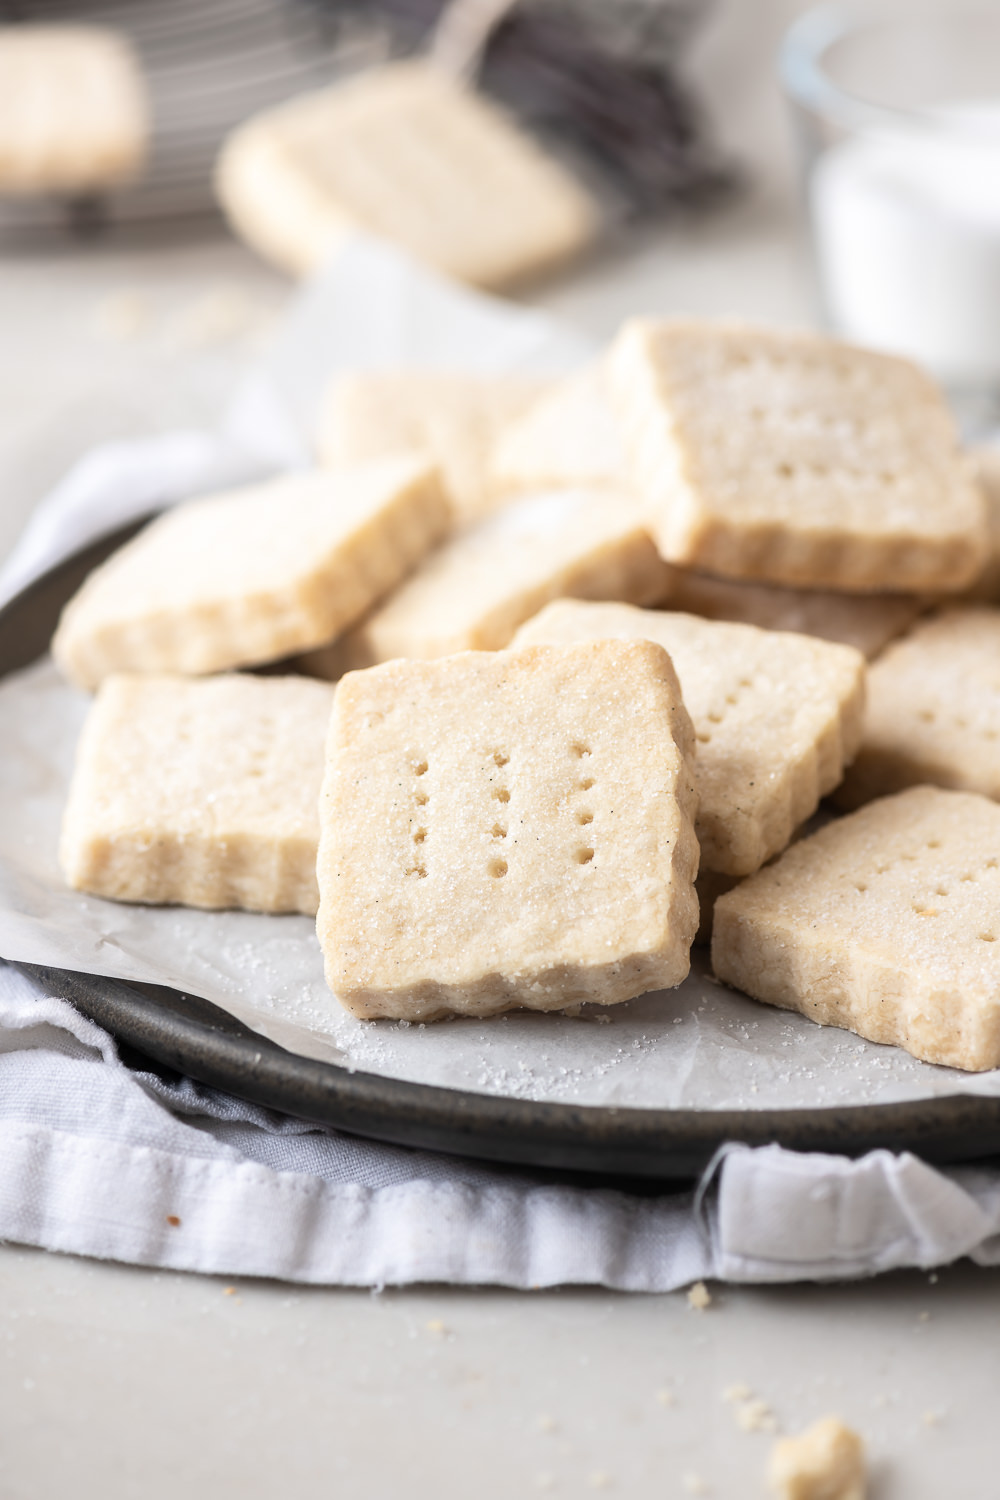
{"type": "Point", "coordinates": [776, 717]}
{"type": "Point", "coordinates": [199, 792]}
{"type": "Point", "coordinates": [795, 459]}
{"type": "Point", "coordinates": [886, 922]}
{"type": "Point", "coordinates": [508, 829]}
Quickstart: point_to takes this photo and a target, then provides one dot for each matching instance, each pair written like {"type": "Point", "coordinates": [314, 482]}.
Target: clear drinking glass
{"type": "Point", "coordinates": [898, 120]}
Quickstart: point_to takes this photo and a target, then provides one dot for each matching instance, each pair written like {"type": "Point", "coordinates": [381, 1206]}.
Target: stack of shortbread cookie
{"type": "Point", "coordinates": [593, 641]}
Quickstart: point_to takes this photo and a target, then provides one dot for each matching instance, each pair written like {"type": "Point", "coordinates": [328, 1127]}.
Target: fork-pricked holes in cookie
{"type": "Point", "coordinates": [417, 869]}
{"type": "Point", "coordinates": [720, 711]}
{"type": "Point", "coordinates": [583, 815]}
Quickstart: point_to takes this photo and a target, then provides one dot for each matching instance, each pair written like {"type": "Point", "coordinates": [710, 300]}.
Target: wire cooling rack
{"type": "Point", "coordinates": [597, 79]}
{"type": "Point", "coordinates": [208, 64]}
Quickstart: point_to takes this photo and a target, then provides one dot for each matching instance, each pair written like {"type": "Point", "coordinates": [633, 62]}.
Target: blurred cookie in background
{"type": "Point", "coordinates": [74, 110]}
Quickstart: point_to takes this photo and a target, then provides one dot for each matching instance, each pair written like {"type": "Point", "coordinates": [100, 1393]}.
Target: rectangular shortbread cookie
{"type": "Point", "coordinates": [74, 111]}
{"type": "Point", "coordinates": [252, 575]}
{"type": "Point", "coordinates": [199, 792]}
{"type": "Point", "coordinates": [886, 922]}
{"type": "Point", "coordinates": [567, 437]}
{"type": "Point", "coordinates": [795, 459]}
{"type": "Point", "coordinates": [472, 593]}
{"type": "Point", "coordinates": [933, 712]}
{"type": "Point", "coordinates": [453, 420]}
{"type": "Point", "coordinates": [868, 622]}
{"type": "Point", "coordinates": [776, 717]}
{"type": "Point", "coordinates": [507, 829]}
{"type": "Point", "coordinates": [405, 152]}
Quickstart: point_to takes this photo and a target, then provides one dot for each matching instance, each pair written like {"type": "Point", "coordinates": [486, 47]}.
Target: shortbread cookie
{"type": "Point", "coordinates": [252, 575]}
{"type": "Point", "coordinates": [199, 792]}
{"type": "Point", "coordinates": [472, 593]}
{"type": "Point", "coordinates": [776, 716]}
{"type": "Point", "coordinates": [795, 459]}
{"type": "Point", "coordinates": [868, 622]}
{"type": "Point", "coordinates": [507, 829]}
{"type": "Point", "coordinates": [453, 420]}
{"type": "Point", "coordinates": [407, 153]}
{"type": "Point", "coordinates": [933, 713]}
{"type": "Point", "coordinates": [825, 1462]}
{"type": "Point", "coordinates": [74, 114]}
{"type": "Point", "coordinates": [886, 922]}
{"type": "Point", "coordinates": [568, 437]}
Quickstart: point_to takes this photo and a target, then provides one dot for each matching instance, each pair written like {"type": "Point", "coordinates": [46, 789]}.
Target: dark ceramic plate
{"type": "Point", "coordinates": [192, 1036]}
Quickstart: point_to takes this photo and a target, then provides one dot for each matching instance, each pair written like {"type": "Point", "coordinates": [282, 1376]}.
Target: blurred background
{"type": "Point", "coordinates": [132, 306]}
{"type": "Point", "coordinates": [136, 309]}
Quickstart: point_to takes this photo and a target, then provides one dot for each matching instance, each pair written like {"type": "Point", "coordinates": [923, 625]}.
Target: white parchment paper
{"type": "Point", "coordinates": [700, 1046]}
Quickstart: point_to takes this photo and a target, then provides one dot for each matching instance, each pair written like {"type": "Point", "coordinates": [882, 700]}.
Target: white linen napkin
{"type": "Point", "coordinates": [101, 1160]}
{"type": "Point", "coordinates": [96, 1159]}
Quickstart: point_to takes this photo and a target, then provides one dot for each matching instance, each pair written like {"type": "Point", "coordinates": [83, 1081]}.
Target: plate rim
{"type": "Point", "coordinates": [612, 1142]}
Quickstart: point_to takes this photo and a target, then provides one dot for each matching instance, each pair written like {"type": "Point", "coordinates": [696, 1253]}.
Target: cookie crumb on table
{"type": "Point", "coordinates": [825, 1462]}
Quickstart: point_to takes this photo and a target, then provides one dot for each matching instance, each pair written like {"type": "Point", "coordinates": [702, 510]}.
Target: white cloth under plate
{"type": "Point", "coordinates": [97, 1159]}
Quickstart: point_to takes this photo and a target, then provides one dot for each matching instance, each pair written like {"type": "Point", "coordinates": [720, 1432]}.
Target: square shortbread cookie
{"type": "Point", "coordinates": [567, 437]}
{"type": "Point", "coordinates": [199, 792]}
{"type": "Point", "coordinates": [472, 593]}
{"type": "Point", "coordinates": [776, 717]}
{"type": "Point", "coordinates": [252, 575]}
{"type": "Point", "coordinates": [74, 113]}
{"type": "Point", "coordinates": [507, 829]}
{"type": "Point", "coordinates": [795, 459]}
{"type": "Point", "coordinates": [407, 153]}
{"type": "Point", "coordinates": [933, 713]}
{"type": "Point", "coordinates": [453, 420]}
{"type": "Point", "coordinates": [886, 922]}
{"type": "Point", "coordinates": [868, 622]}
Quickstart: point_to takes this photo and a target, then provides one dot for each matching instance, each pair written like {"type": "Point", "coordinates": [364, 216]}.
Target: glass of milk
{"type": "Point", "coordinates": [898, 118]}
